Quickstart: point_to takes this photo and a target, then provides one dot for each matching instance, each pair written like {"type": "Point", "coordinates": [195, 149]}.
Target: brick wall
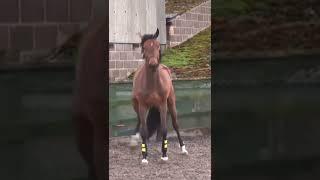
{"type": "Point", "coordinates": [188, 24]}
{"type": "Point", "coordinates": [123, 60]}
{"type": "Point", "coordinates": [40, 24]}
{"type": "Point", "coordinates": [126, 58]}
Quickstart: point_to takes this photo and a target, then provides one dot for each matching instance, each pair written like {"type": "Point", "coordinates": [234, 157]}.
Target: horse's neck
{"type": "Point", "coordinates": [152, 79]}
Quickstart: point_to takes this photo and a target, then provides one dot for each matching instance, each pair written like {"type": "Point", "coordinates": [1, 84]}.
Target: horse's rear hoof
{"type": "Point", "coordinates": [184, 151]}
{"type": "Point", "coordinates": [164, 158]}
{"type": "Point", "coordinates": [133, 143]}
{"type": "Point", "coordinates": [144, 161]}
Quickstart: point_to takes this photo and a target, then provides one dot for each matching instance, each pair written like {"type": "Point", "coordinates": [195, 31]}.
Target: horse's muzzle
{"type": "Point", "coordinates": [153, 63]}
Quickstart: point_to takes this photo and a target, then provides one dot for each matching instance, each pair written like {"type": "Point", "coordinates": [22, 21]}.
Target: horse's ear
{"type": "Point", "coordinates": [156, 34]}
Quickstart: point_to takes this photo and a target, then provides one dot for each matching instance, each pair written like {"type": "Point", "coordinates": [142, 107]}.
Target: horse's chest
{"type": "Point", "coordinates": [152, 99]}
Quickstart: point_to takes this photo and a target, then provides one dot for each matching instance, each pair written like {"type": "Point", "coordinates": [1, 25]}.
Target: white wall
{"type": "Point", "coordinates": [129, 17]}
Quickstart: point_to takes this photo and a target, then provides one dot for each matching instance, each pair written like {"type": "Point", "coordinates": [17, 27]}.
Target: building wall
{"type": "Point", "coordinates": [40, 24]}
{"type": "Point", "coordinates": [189, 24]}
{"type": "Point", "coordinates": [125, 58]}
{"type": "Point", "coordinates": [127, 18]}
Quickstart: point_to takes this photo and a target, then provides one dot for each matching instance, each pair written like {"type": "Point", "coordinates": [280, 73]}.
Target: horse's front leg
{"type": "Point", "coordinates": [134, 138]}
{"type": "Point", "coordinates": [163, 116]}
{"type": "Point", "coordinates": [173, 113]}
{"type": "Point", "coordinates": [143, 111]}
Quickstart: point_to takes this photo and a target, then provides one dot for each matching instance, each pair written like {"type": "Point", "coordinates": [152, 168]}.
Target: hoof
{"type": "Point", "coordinates": [133, 143]}
{"type": "Point", "coordinates": [184, 151]}
{"type": "Point", "coordinates": [134, 140]}
{"type": "Point", "coordinates": [164, 158]}
{"type": "Point", "coordinates": [144, 161]}
{"type": "Point", "coordinates": [135, 137]}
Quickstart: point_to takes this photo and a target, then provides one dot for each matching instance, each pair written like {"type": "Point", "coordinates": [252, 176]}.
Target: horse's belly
{"type": "Point", "coordinates": [153, 100]}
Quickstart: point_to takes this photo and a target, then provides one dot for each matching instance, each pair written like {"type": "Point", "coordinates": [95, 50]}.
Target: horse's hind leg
{"type": "Point", "coordinates": [84, 138]}
{"type": "Point", "coordinates": [173, 113]}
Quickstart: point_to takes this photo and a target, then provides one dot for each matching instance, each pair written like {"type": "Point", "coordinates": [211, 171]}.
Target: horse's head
{"type": "Point", "coordinates": [151, 49]}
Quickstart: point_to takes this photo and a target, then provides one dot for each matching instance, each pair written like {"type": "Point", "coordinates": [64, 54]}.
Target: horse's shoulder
{"type": "Point", "coordinates": [166, 69]}
{"type": "Point", "coordinates": [137, 73]}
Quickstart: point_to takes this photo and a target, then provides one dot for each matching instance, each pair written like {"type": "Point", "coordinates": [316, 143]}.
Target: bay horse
{"type": "Point", "coordinates": [89, 111]}
{"type": "Point", "coordinates": [152, 96]}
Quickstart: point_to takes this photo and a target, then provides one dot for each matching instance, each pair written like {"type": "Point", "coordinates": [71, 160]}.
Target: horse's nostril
{"type": "Point", "coordinates": [153, 62]}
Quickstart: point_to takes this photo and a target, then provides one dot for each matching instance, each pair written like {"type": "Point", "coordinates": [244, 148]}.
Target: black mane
{"type": "Point", "coordinates": [145, 37]}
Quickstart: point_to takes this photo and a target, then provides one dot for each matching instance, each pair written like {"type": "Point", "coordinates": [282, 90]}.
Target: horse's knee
{"type": "Point", "coordinates": [144, 131]}
{"type": "Point", "coordinates": [164, 132]}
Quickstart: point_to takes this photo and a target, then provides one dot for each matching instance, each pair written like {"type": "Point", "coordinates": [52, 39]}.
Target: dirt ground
{"type": "Point", "coordinates": [125, 162]}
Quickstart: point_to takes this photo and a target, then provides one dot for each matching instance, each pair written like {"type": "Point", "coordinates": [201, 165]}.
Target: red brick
{"type": "Point", "coordinates": [9, 11]}
{"type": "Point", "coordinates": [189, 23]}
{"type": "Point", "coordinates": [183, 17]}
{"type": "Point", "coordinates": [112, 64]}
{"type": "Point", "coordinates": [172, 38]}
{"type": "Point", "coordinates": [136, 47]}
{"type": "Point", "coordinates": [119, 47]}
{"type": "Point", "coordinates": [115, 55]}
{"type": "Point", "coordinates": [127, 64]}
{"type": "Point", "coordinates": [194, 17]}
{"type": "Point", "coordinates": [188, 16]}
{"type": "Point", "coordinates": [119, 64]}
{"type": "Point", "coordinates": [130, 56]}
{"type": "Point", "coordinates": [176, 30]}
{"type": "Point", "coordinates": [80, 10]}
{"type": "Point", "coordinates": [57, 10]}
{"type": "Point", "coordinates": [183, 31]}
{"type": "Point", "coordinates": [69, 28]}
{"type": "Point", "coordinates": [203, 10]}
{"type": "Point", "coordinates": [123, 73]}
{"type": "Point", "coordinates": [133, 64]}
{"type": "Point", "coordinates": [194, 31]}
{"type": "Point", "coordinates": [184, 38]}
{"type": "Point", "coordinates": [196, 24]}
{"type": "Point", "coordinates": [207, 11]}
{"type": "Point", "coordinates": [178, 38]}
{"type": "Point", "coordinates": [32, 12]}
{"type": "Point", "coordinates": [200, 17]}
{"type": "Point", "coordinates": [127, 47]}
{"type": "Point", "coordinates": [137, 55]}
{"type": "Point", "coordinates": [115, 73]}
{"type": "Point", "coordinates": [188, 31]}
{"type": "Point", "coordinates": [178, 23]}
{"type": "Point", "coordinates": [45, 37]}
{"type": "Point", "coordinates": [21, 37]}
{"type": "Point", "coordinates": [4, 36]}
{"type": "Point", "coordinates": [123, 55]}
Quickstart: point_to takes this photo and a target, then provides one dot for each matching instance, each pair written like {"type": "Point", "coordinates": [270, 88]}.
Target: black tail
{"type": "Point", "coordinates": [153, 121]}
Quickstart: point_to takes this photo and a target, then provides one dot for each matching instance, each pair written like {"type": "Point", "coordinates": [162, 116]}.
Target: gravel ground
{"type": "Point", "coordinates": [125, 162]}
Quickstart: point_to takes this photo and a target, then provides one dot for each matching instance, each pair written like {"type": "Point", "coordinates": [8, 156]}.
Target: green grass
{"type": "Point", "coordinates": [232, 8]}
{"type": "Point", "coordinates": [181, 6]}
{"type": "Point", "coordinates": [193, 52]}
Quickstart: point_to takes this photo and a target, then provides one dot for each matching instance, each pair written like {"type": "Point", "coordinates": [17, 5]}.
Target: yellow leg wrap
{"type": "Point", "coordinates": [166, 144]}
